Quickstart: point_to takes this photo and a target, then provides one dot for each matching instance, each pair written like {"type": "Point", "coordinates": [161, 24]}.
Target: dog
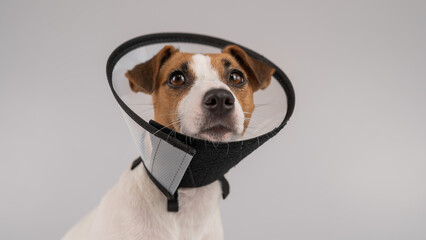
{"type": "Point", "coordinates": [206, 96]}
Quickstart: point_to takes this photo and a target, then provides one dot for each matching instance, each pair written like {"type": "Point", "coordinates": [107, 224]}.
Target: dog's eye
{"type": "Point", "coordinates": [236, 78]}
{"type": "Point", "coordinates": [177, 79]}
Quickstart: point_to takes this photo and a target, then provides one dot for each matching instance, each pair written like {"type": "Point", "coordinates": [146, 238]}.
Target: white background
{"type": "Point", "coordinates": [351, 163]}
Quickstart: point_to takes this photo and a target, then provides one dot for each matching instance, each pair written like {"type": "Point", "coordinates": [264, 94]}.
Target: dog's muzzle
{"type": "Point", "coordinates": [174, 160]}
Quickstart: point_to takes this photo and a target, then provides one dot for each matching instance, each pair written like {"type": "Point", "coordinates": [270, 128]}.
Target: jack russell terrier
{"type": "Point", "coordinates": [206, 96]}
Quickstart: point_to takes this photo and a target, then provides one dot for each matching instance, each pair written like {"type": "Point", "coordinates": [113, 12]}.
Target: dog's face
{"type": "Point", "coordinates": [208, 96]}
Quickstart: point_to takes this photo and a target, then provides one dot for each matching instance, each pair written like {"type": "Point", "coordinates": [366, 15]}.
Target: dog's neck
{"type": "Point", "coordinates": [194, 202]}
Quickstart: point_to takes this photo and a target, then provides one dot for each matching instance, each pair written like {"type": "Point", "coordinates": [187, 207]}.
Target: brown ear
{"type": "Point", "coordinates": [257, 70]}
{"type": "Point", "coordinates": [143, 77]}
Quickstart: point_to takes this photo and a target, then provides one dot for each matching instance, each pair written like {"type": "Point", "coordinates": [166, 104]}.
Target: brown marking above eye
{"type": "Point", "coordinates": [226, 63]}
{"type": "Point", "coordinates": [232, 74]}
{"type": "Point", "coordinates": [179, 76]}
{"type": "Point", "coordinates": [184, 67]}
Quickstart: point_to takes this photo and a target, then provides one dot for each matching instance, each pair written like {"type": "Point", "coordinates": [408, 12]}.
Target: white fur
{"type": "Point", "coordinates": [190, 107]}
{"type": "Point", "coordinates": [136, 209]}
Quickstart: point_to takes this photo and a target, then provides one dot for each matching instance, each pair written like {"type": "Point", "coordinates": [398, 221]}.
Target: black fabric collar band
{"type": "Point", "coordinates": [173, 201]}
{"type": "Point", "coordinates": [210, 161]}
{"type": "Point", "coordinates": [213, 160]}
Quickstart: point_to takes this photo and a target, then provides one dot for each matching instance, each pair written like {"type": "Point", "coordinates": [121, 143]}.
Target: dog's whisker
{"type": "Point", "coordinates": [171, 132]}
{"type": "Point", "coordinates": [250, 133]}
{"type": "Point", "coordinates": [145, 110]}
{"type": "Point", "coordinates": [172, 113]}
{"type": "Point", "coordinates": [257, 116]}
{"type": "Point", "coordinates": [254, 125]}
{"type": "Point", "coordinates": [259, 124]}
{"type": "Point", "coordinates": [139, 104]}
{"type": "Point", "coordinates": [260, 116]}
{"type": "Point", "coordinates": [170, 124]}
{"type": "Point", "coordinates": [168, 114]}
{"type": "Point", "coordinates": [267, 103]}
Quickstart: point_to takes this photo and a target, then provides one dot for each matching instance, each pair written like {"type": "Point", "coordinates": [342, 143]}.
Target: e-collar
{"type": "Point", "coordinates": [174, 160]}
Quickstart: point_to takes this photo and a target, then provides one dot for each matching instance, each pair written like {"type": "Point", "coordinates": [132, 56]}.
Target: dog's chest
{"type": "Point", "coordinates": [198, 215]}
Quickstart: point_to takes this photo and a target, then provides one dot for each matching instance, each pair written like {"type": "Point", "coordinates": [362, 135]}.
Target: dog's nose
{"type": "Point", "coordinates": [219, 102]}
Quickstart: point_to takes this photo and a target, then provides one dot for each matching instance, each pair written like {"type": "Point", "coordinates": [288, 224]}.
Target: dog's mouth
{"type": "Point", "coordinates": [217, 133]}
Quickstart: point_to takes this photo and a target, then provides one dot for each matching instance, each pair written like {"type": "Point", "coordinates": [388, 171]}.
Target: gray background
{"type": "Point", "coordinates": [351, 163]}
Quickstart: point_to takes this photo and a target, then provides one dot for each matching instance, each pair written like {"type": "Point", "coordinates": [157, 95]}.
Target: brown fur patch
{"type": "Point", "coordinates": [166, 99]}
{"type": "Point", "coordinates": [142, 78]}
{"type": "Point", "coordinates": [257, 70]}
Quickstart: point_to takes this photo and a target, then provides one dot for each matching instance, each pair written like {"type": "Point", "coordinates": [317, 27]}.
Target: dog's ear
{"type": "Point", "coordinates": [257, 70]}
{"type": "Point", "coordinates": [143, 77]}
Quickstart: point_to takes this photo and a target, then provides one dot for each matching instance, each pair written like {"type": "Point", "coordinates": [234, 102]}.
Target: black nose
{"type": "Point", "coordinates": [219, 102]}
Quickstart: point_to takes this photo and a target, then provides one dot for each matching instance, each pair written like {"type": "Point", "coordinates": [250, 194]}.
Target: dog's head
{"type": "Point", "coordinates": [208, 96]}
